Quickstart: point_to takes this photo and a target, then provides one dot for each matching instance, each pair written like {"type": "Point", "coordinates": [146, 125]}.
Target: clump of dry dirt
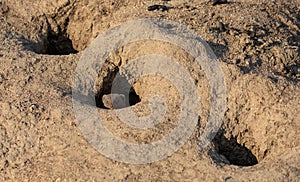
{"type": "Point", "coordinates": [256, 41]}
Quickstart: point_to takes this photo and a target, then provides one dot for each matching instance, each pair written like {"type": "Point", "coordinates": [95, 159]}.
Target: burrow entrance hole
{"type": "Point", "coordinates": [56, 44]}
{"type": "Point", "coordinates": [233, 151]}
{"type": "Point", "coordinates": [110, 81]}
{"type": "Point", "coordinates": [54, 40]}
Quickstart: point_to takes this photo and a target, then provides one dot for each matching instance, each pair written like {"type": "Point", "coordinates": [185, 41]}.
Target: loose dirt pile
{"type": "Point", "coordinates": [257, 42]}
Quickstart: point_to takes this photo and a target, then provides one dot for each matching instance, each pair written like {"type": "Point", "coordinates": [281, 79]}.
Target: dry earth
{"type": "Point", "coordinates": [257, 42]}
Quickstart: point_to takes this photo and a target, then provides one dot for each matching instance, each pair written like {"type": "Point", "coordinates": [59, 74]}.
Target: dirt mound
{"type": "Point", "coordinates": [257, 43]}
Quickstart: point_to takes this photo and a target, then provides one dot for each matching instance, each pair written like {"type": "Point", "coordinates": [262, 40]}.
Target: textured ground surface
{"type": "Point", "coordinates": [258, 43]}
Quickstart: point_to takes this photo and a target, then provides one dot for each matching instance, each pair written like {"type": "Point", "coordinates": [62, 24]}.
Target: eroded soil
{"type": "Point", "coordinates": [257, 42]}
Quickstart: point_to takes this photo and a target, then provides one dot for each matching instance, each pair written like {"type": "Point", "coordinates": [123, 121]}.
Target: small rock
{"type": "Point", "coordinates": [114, 101]}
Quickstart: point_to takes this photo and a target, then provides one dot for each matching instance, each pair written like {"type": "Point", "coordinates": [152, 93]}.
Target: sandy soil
{"type": "Point", "coordinates": [257, 42]}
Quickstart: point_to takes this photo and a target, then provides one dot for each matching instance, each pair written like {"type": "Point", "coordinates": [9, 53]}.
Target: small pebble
{"type": "Point", "coordinates": [114, 101]}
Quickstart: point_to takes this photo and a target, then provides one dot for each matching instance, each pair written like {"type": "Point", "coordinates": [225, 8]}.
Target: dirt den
{"type": "Point", "coordinates": [258, 46]}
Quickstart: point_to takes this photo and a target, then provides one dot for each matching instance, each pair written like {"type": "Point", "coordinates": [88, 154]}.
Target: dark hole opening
{"type": "Point", "coordinates": [58, 44]}
{"type": "Point", "coordinates": [234, 152]}
{"type": "Point", "coordinates": [114, 83]}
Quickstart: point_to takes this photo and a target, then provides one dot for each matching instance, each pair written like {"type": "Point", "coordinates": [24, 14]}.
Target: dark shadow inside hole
{"type": "Point", "coordinates": [115, 83]}
{"type": "Point", "coordinates": [51, 44]}
{"type": "Point", "coordinates": [58, 44]}
{"type": "Point", "coordinates": [234, 152]}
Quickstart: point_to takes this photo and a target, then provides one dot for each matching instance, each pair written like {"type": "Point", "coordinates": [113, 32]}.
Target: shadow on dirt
{"type": "Point", "coordinates": [234, 152]}
{"type": "Point", "coordinates": [51, 44]}
{"type": "Point", "coordinates": [218, 49]}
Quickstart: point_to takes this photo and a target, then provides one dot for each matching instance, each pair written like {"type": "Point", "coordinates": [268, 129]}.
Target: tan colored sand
{"type": "Point", "coordinates": [259, 49]}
